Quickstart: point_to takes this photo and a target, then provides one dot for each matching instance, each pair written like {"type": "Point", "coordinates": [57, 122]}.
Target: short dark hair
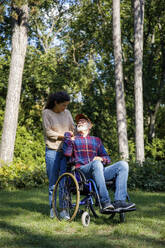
{"type": "Point", "coordinates": [59, 97]}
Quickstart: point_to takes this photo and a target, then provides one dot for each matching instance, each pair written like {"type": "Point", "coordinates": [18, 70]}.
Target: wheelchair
{"type": "Point", "coordinates": [79, 197]}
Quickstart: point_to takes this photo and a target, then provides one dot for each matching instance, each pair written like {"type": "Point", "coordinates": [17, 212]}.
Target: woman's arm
{"type": "Point", "coordinates": [49, 132]}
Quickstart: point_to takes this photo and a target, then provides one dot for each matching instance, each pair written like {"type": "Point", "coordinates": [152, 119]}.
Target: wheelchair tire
{"type": "Point", "coordinates": [85, 219]}
{"type": "Point", "coordinates": [66, 196]}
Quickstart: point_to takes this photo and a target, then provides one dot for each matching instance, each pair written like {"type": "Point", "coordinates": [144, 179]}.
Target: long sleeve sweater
{"type": "Point", "coordinates": [54, 125]}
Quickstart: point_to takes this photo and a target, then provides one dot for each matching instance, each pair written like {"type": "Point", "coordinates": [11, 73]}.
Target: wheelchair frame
{"type": "Point", "coordinates": [66, 195]}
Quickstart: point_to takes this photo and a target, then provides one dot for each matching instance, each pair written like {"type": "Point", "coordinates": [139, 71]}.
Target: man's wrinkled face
{"type": "Point", "coordinates": [82, 125]}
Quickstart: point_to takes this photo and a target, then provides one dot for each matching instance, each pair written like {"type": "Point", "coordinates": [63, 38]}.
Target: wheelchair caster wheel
{"type": "Point", "coordinates": [85, 219]}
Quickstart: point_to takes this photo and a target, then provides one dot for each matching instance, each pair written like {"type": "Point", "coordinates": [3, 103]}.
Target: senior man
{"type": "Point", "coordinates": [90, 157]}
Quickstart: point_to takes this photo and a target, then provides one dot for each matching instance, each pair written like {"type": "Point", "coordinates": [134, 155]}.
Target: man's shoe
{"type": "Point", "coordinates": [123, 205]}
{"type": "Point", "coordinates": [51, 213]}
{"type": "Point", "coordinates": [107, 206]}
{"type": "Point", "coordinates": [64, 215]}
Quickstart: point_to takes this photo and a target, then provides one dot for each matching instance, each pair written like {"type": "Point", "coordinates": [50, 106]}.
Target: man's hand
{"type": "Point", "coordinates": [72, 135]}
{"type": "Point", "coordinates": [61, 137]}
{"type": "Point", "coordinates": [69, 135]}
{"type": "Point", "coordinates": [98, 158]}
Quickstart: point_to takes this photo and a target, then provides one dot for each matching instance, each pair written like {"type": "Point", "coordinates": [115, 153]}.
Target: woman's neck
{"type": "Point", "coordinates": [55, 110]}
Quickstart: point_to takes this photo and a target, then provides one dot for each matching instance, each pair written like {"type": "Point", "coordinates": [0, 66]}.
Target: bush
{"type": "Point", "coordinates": [29, 147]}
{"type": "Point", "coordinates": [156, 149]}
{"type": "Point", "coordinates": [28, 168]}
{"type": "Point", "coordinates": [150, 176]}
{"type": "Point", "coordinates": [19, 175]}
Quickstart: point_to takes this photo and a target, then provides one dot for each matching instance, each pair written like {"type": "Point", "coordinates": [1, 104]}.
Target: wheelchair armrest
{"type": "Point", "coordinates": [71, 166]}
{"type": "Point", "coordinates": [83, 178]}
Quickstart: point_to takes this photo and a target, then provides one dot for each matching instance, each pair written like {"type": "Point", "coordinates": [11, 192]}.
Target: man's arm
{"type": "Point", "coordinates": [67, 145]}
{"type": "Point", "coordinates": [103, 154]}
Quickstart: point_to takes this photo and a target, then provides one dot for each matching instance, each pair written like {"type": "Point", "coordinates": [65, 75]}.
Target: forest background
{"type": "Point", "coordinates": [70, 47]}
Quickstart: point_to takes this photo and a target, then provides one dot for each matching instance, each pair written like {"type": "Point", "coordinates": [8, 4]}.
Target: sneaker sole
{"type": "Point", "coordinates": [66, 219]}
{"type": "Point", "coordinates": [108, 208]}
{"type": "Point", "coordinates": [122, 208]}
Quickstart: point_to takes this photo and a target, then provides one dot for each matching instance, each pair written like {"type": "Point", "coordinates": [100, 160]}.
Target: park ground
{"type": "Point", "coordinates": [25, 223]}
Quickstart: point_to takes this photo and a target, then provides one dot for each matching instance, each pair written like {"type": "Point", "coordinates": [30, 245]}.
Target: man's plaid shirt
{"type": "Point", "coordinates": [82, 150]}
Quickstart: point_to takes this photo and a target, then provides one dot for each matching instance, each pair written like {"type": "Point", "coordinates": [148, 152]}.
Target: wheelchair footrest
{"type": "Point", "coordinates": [117, 211]}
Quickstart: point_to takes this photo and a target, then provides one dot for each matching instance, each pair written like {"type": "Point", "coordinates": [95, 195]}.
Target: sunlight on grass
{"type": "Point", "coordinates": [25, 223]}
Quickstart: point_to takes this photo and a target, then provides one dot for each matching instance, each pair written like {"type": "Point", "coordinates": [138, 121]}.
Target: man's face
{"type": "Point", "coordinates": [82, 125]}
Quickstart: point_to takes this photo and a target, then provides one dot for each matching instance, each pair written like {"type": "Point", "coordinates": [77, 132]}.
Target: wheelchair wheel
{"type": "Point", "coordinates": [66, 196]}
{"type": "Point", "coordinates": [85, 219]}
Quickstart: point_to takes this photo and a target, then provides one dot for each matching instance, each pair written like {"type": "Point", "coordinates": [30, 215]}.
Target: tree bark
{"type": "Point", "coordinates": [120, 99]}
{"type": "Point", "coordinates": [153, 121]}
{"type": "Point", "coordinates": [138, 53]}
{"type": "Point", "coordinates": [19, 45]}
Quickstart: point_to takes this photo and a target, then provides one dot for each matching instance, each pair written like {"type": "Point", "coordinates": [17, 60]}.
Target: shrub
{"type": "Point", "coordinates": [150, 176]}
{"type": "Point", "coordinates": [28, 168]}
{"type": "Point", "coordinates": [29, 147]}
{"type": "Point", "coordinates": [156, 149]}
{"type": "Point", "coordinates": [19, 175]}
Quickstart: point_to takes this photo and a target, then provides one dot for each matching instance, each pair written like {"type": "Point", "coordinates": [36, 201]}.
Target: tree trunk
{"type": "Point", "coordinates": [19, 45]}
{"type": "Point", "coordinates": [120, 101]}
{"type": "Point", "coordinates": [153, 121]}
{"type": "Point", "coordinates": [138, 53]}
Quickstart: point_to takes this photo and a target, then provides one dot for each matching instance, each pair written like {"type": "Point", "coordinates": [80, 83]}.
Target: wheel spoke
{"type": "Point", "coordinates": [66, 196]}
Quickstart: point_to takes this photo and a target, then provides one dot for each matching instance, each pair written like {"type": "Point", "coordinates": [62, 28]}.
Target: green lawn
{"type": "Point", "coordinates": [25, 223]}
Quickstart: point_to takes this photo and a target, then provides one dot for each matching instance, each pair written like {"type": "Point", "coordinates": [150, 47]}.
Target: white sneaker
{"type": "Point", "coordinates": [64, 215]}
{"type": "Point", "coordinates": [51, 213]}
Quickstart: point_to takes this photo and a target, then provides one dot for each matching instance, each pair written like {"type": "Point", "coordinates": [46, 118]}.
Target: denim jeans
{"type": "Point", "coordinates": [55, 166]}
{"type": "Point", "coordinates": [101, 174]}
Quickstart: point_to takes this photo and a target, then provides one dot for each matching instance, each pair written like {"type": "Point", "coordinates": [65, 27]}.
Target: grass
{"type": "Point", "coordinates": [25, 223]}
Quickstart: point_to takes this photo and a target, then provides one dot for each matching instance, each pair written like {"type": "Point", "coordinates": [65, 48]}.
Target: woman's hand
{"type": "Point", "coordinates": [61, 137]}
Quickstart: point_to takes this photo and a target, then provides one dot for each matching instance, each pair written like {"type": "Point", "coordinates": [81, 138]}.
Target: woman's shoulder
{"type": "Point", "coordinates": [67, 112]}
{"type": "Point", "coordinates": [47, 112]}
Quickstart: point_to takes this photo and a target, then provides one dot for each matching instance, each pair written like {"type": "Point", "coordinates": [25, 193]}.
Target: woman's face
{"type": "Point", "coordinates": [60, 107]}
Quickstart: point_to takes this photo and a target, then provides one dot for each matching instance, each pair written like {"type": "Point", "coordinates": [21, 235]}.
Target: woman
{"type": "Point", "coordinates": [56, 121]}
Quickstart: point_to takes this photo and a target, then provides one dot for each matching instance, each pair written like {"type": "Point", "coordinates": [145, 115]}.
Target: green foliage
{"type": "Point", "coordinates": [28, 169]}
{"type": "Point", "coordinates": [19, 175]}
{"type": "Point", "coordinates": [156, 149]}
{"type": "Point", "coordinates": [77, 55]}
{"type": "Point", "coordinates": [150, 176]}
{"type": "Point", "coordinates": [29, 147]}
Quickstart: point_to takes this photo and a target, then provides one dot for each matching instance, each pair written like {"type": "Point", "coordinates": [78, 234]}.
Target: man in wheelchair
{"type": "Point", "coordinates": [90, 156]}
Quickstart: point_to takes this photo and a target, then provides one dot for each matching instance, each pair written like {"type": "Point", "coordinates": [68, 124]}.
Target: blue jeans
{"type": "Point", "coordinates": [55, 166]}
{"type": "Point", "coordinates": [101, 174]}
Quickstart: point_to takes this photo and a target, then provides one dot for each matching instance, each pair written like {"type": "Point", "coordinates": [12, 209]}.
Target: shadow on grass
{"type": "Point", "coordinates": [24, 238]}
{"type": "Point", "coordinates": [30, 200]}
{"type": "Point", "coordinates": [36, 200]}
{"type": "Point", "coordinates": [149, 207]}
